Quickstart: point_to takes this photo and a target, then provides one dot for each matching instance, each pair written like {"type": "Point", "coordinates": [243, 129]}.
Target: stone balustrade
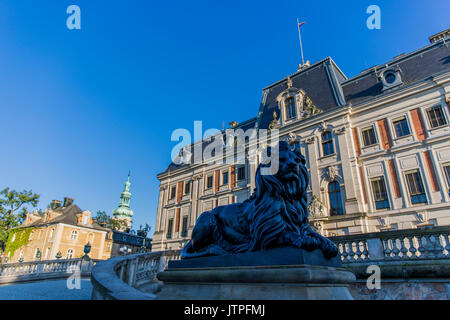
{"type": "Point", "coordinates": [400, 254]}
{"type": "Point", "coordinates": [130, 277]}
{"type": "Point", "coordinates": [48, 269]}
{"type": "Point", "coordinates": [410, 244]}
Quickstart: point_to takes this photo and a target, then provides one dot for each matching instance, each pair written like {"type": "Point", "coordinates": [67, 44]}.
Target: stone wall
{"type": "Point", "coordinates": [401, 289]}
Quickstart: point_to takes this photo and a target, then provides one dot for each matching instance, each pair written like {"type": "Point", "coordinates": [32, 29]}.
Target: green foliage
{"type": "Point", "coordinates": [103, 219]}
{"type": "Point", "coordinates": [21, 239]}
{"type": "Point", "coordinates": [13, 210]}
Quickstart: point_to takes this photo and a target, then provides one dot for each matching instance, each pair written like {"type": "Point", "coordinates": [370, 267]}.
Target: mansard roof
{"type": "Point", "coordinates": [415, 66]}
{"type": "Point", "coordinates": [321, 83]}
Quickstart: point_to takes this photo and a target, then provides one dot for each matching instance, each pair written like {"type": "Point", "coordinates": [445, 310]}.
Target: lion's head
{"type": "Point", "coordinates": [280, 198]}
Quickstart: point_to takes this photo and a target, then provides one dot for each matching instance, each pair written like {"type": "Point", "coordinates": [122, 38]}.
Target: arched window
{"type": "Point", "coordinates": [327, 143]}
{"type": "Point", "coordinates": [334, 191]}
{"type": "Point", "coordinates": [289, 105]}
{"type": "Point", "coordinates": [69, 254]}
{"type": "Point", "coordinates": [74, 234]}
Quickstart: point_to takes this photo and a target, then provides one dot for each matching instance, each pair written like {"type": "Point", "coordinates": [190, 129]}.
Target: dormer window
{"type": "Point", "coordinates": [291, 111]}
{"type": "Point", "coordinates": [390, 78]}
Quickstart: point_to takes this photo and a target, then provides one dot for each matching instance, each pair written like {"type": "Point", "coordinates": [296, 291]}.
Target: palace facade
{"type": "Point", "coordinates": [377, 147]}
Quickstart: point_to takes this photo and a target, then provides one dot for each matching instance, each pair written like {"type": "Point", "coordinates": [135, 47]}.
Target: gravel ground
{"type": "Point", "coordinates": [46, 290]}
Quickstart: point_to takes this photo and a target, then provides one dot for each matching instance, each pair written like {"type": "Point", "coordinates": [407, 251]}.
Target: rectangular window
{"type": "Point", "coordinates": [447, 174]}
{"type": "Point", "coordinates": [369, 137]}
{"type": "Point", "coordinates": [415, 187]}
{"type": "Point", "coordinates": [209, 182]}
{"type": "Point", "coordinates": [173, 192]}
{"type": "Point", "coordinates": [169, 229]}
{"type": "Point", "coordinates": [187, 187]}
{"type": "Point", "coordinates": [401, 127]}
{"type": "Point", "coordinates": [240, 173]}
{"type": "Point", "coordinates": [225, 178]}
{"type": "Point", "coordinates": [327, 143]}
{"type": "Point", "coordinates": [379, 193]}
{"type": "Point", "coordinates": [436, 117]}
{"type": "Point", "coordinates": [184, 226]}
{"type": "Point", "coordinates": [290, 108]}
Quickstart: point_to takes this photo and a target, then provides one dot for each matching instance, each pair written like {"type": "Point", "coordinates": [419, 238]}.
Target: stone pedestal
{"type": "Point", "coordinates": [278, 274]}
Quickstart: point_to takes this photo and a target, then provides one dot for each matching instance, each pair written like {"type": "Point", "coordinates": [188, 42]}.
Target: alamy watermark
{"type": "Point", "coordinates": [74, 20]}
{"type": "Point", "coordinates": [374, 280]}
{"type": "Point", "coordinates": [74, 281]}
{"type": "Point", "coordinates": [374, 20]}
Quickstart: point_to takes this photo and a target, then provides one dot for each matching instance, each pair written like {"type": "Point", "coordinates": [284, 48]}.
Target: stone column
{"type": "Point", "coordinates": [313, 169]}
{"type": "Point", "coordinates": [199, 186]}
{"type": "Point", "coordinates": [162, 192]}
{"type": "Point", "coordinates": [351, 201]}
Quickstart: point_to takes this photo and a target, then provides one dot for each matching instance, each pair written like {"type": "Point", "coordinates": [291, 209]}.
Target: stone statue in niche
{"type": "Point", "coordinates": [276, 215]}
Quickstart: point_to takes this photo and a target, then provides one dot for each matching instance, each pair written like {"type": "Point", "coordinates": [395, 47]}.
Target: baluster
{"type": "Point", "coordinates": [351, 251]}
{"type": "Point", "coordinates": [358, 250]}
{"type": "Point", "coordinates": [421, 248]}
{"type": "Point", "coordinates": [438, 248]}
{"type": "Point", "coordinates": [366, 250]}
{"type": "Point", "coordinates": [387, 249]}
{"type": "Point", "coordinates": [430, 246]}
{"type": "Point", "coordinates": [403, 249]}
{"type": "Point", "coordinates": [395, 249]}
{"type": "Point", "coordinates": [412, 247]}
{"type": "Point", "coordinates": [447, 244]}
{"type": "Point", "coordinates": [344, 253]}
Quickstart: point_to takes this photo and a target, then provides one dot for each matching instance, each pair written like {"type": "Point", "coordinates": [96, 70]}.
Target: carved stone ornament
{"type": "Point", "coordinates": [310, 108]}
{"type": "Point", "coordinates": [385, 222]}
{"type": "Point", "coordinates": [292, 138]}
{"type": "Point", "coordinates": [289, 82]}
{"type": "Point", "coordinates": [447, 101]}
{"type": "Point", "coordinates": [340, 130]}
{"type": "Point", "coordinates": [422, 216]}
{"type": "Point", "coordinates": [274, 124]}
{"type": "Point", "coordinates": [316, 208]}
{"type": "Point", "coordinates": [310, 140]}
{"type": "Point", "coordinates": [331, 173]}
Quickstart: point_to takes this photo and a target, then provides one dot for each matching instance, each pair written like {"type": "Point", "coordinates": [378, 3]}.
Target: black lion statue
{"type": "Point", "coordinates": [275, 215]}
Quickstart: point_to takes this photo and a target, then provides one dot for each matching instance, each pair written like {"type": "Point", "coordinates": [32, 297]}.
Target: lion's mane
{"type": "Point", "coordinates": [277, 208]}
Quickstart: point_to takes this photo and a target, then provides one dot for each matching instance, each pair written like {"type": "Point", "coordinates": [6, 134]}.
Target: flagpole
{"type": "Point", "coordinates": [300, 38]}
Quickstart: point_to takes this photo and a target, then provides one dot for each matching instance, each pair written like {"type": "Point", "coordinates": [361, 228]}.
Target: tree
{"type": "Point", "coordinates": [11, 216]}
{"type": "Point", "coordinates": [106, 221]}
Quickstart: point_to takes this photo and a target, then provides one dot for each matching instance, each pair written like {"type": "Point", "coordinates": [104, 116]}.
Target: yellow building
{"type": "Point", "coordinates": [61, 232]}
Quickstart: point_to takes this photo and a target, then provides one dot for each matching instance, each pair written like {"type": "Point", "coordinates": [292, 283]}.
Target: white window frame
{"type": "Point", "coordinates": [362, 136]}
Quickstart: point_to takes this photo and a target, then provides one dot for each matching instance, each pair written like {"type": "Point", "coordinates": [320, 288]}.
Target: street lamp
{"type": "Point", "coordinates": [38, 254]}
{"type": "Point", "coordinates": [20, 259]}
{"type": "Point", "coordinates": [58, 255]}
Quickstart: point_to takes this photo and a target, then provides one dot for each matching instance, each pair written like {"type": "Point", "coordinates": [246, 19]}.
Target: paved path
{"type": "Point", "coordinates": [46, 290]}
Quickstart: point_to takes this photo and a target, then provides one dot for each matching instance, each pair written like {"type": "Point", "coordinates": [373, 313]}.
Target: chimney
{"type": "Point", "coordinates": [67, 202]}
{"type": "Point", "coordinates": [55, 204]}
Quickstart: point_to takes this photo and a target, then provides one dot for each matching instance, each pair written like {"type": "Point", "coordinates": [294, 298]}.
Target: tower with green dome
{"type": "Point", "coordinates": [123, 211]}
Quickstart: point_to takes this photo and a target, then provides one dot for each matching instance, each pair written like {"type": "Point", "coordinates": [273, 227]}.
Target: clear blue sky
{"type": "Point", "coordinates": [79, 108]}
